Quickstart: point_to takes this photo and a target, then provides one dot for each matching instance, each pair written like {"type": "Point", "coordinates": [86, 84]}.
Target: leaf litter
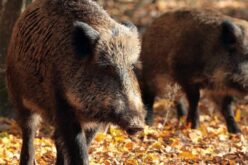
{"type": "Point", "coordinates": [166, 142]}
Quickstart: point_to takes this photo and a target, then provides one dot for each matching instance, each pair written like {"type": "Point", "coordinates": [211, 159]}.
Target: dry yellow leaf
{"type": "Point", "coordinates": [238, 115]}
{"type": "Point", "coordinates": [187, 155]}
{"type": "Point", "coordinates": [129, 146]}
{"type": "Point", "coordinates": [131, 162]}
{"type": "Point", "coordinates": [100, 137]}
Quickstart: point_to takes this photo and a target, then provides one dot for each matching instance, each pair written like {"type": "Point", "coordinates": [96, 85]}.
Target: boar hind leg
{"type": "Point", "coordinates": [193, 97]}
{"type": "Point", "coordinates": [59, 155]}
{"type": "Point", "coordinates": [90, 134]}
{"type": "Point", "coordinates": [148, 100]}
{"type": "Point", "coordinates": [70, 139]}
{"type": "Point", "coordinates": [29, 123]}
{"type": "Point", "coordinates": [227, 112]}
{"type": "Point", "coordinates": [180, 108]}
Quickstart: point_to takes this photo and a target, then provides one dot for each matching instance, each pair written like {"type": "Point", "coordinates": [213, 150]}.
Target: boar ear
{"type": "Point", "coordinates": [230, 34]}
{"type": "Point", "coordinates": [130, 25]}
{"type": "Point", "coordinates": [84, 39]}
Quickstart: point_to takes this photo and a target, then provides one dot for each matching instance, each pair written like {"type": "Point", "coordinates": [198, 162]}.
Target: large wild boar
{"type": "Point", "coordinates": [70, 64]}
{"type": "Point", "coordinates": [196, 49]}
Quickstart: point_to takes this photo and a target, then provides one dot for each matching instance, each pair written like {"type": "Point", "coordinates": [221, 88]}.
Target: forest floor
{"type": "Point", "coordinates": [168, 141]}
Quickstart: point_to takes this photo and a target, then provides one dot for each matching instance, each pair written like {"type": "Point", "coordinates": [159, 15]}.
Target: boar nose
{"type": "Point", "coordinates": [137, 107]}
{"type": "Point", "coordinates": [132, 131]}
{"type": "Point", "coordinates": [130, 118]}
{"type": "Point", "coordinates": [136, 124]}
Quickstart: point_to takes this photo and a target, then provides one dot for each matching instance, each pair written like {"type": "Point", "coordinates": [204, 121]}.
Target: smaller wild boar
{"type": "Point", "coordinates": [240, 13]}
{"type": "Point", "coordinates": [71, 65]}
{"type": "Point", "coordinates": [196, 49]}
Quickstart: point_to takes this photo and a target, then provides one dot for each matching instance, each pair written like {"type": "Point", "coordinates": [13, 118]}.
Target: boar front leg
{"type": "Point", "coordinates": [70, 139]}
{"type": "Point", "coordinates": [29, 123]}
{"type": "Point", "coordinates": [148, 99]}
{"type": "Point", "coordinates": [193, 97]}
{"type": "Point", "coordinates": [227, 111]}
{"type": "Point", "coordinates": [90, 134]}
{"type": "Point", "coordinates": [180, 108]}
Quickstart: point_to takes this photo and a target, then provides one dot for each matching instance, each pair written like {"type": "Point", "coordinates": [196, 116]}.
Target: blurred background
{"type": "Point", "coordinates": [140, 12]}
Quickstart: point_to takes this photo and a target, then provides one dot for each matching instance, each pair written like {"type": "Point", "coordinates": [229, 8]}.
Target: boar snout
{"type": "Point", "coordinates": [129, 116]}
{"type": "Point", "coordinates": [239, 78]}
{"type": "Point", "coordinates": [135, 124]}
{"type": "Point", "coordinates": [133, 131]}
{"type": "Point", "coordinates": [138, 112]}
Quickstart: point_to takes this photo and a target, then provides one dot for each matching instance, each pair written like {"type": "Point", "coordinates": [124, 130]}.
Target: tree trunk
{"type": "Point", "coordinates": [9, 11]}
{"type": "Point", "coordinates": [1, 6]}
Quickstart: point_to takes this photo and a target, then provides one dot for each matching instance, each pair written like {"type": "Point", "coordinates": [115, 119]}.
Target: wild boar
{"type": "Point", "coordinates": [71, 65]}
{"type": "Point", "coordinates": [196, 49]}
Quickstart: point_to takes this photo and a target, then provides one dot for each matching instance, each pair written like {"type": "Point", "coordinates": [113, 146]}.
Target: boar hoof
{"type": "Point", "coordinates": [193, 124]}
{"type": "Point", "coordinates": [149, 119]}
{"type": "Point", "coordinates": [233, 128]}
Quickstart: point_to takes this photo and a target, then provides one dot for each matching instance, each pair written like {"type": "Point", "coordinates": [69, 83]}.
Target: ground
{"type": "Point", "coordinates": [168, 141]}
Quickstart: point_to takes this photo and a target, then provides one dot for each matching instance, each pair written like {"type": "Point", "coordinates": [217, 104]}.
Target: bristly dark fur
{"type": "Point", "coordinates": [197, 49]}
{"type": "Point", "coordinates": [66, 66]}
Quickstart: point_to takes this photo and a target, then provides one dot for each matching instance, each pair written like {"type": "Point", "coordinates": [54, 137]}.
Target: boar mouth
{"type": "Point", "coordinates": [133, 125]}
{"type": "Point", "coordinates": [134, 130]}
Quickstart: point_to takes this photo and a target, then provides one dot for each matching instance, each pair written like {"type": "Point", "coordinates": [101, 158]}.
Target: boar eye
{"type": "Point", "coordinates": [104, 67]}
